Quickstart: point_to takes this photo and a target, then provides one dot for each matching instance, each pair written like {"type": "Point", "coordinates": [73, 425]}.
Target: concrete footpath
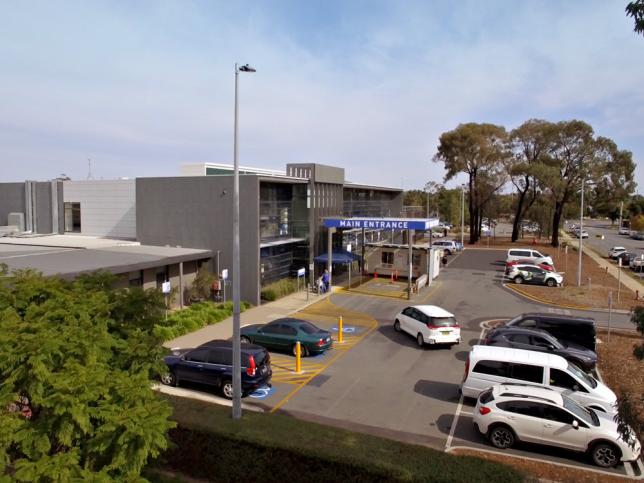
{"type": "Point", "coordinates": [613, 268]}
{"type": "Point", "coordinates": [255, 315]}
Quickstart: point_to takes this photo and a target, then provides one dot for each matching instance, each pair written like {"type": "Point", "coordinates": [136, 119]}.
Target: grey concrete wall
{"type": "Point", "coordinates": [197, 212]}
{"type": "Point", "coordinates": [397, 204]}
{"type": "Point", "coordinates": [43, 207]}
{"type": "Point", "coordinates": [12, 200]}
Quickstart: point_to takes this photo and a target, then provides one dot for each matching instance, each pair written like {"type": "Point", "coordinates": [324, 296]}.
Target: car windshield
{"type": "Point", "coordinates": [582, 375]}
{"type": "Point", "coordinates": [309, 328]}
{"type": "Point", "coordinates": [443, 321]}
{"type": "Point", "coordinates": [586, 415]}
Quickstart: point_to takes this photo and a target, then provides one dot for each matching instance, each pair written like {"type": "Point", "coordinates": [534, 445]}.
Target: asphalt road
{"type": "Point", "coordinates": [611, 238]}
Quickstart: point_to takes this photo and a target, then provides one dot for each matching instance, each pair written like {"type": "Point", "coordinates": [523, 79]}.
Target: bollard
{"type": "Point", "coordinates": [392, 278]}
{"type": "Point", "coordinates": [298, 357]}
{"type": "Point", "coordinates": [340, 332]}
{"type": "Point", "coordinates": [375, 274]}
{"type": "Point", "coordinates": [637, 294]}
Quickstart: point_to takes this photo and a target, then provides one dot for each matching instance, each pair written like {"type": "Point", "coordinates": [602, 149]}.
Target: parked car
{"type": "Point", "coordinates": [448, 246]}
{"type": "Point", "coordinates": [534, 275]}
{"type": "Point", "coordinates": [489, 365]}
{"type": "Point", "coordinates": [541, 341]}
{"type": "Point", "coordinates": [581, 234]}
{"type": "Point", "coordinates": [613, 252]}
{"type": "Point", "coordinates": [626, 258]}
{"type": "Point", "coordinates": [623, 230]}
{"type": "Point", "coordinates": [429, 324]}
{"type": "Point", "coordinates": [212, 363]}
{"type": "Point", "coordinates": [282, 335]}
{"type": "Point", "coordinates": [579, 330]}
{"type": "Point", "coordinates": [507, 413]}
{"type": "Point", "coordinates": [528, 254]}
{"type": "Point", "coordinates": [545, 266]}
{"type": "Point", "coordinates": [637, 263]}
{"type": "Point", "coordinates": [638, 235]}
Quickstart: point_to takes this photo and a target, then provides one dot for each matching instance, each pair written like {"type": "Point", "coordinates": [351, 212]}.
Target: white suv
{"type": "Point", "coordinates": [528, 254]}
{"type": "Point", "coordinates": [429, 324]}
{"type": "Point", "coordinates": [613, 252]}
{"type": "Point", "coordinates": [507, 413]}
{"type": "Point", "coordinates": [524, 273]}
{"type": "Point", "coordinates": [448, 246]}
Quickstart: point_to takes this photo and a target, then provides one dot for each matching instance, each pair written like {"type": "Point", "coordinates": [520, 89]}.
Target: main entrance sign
{"type": "Point", "coordinates": [382, 223]}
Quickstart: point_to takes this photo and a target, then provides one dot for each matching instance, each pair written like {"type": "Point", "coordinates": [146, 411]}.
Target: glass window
{"type": "Point", "coordinates": [443, 321]}
{"type": "Point", "coordinates": [388, 258]}
{"type": "Point", "coordinates": [557, 414]}
{"type": "Point", "coordinates": [421, 317]}
{"type": "Point", "coordinates": [221, 356]}
{"type": "Point", "coordinates": [198, 355]}
{"type": "Point", "coordinates": [72, 217]}
{"type": "Point", "coordinates": [519, 339]}
{"type": "Point", "coordinates": [309, 328]}
{"type": "Point", "coordinates": [527, 372]}
{"type": "Point", "coordinates": [579, 374]}
{"type": "Point", "coordinates": [493, 368]}
{"type": "Point", "coordinates": [408, 311]}
{"type": "Point", "coordinates": [561, 379]}
{"type": "Point", "coordinates": [415, 259]}
{"type": "Point", "coordinates": [586, 415]}
{"type": "Point", "coordinates": [272, 329]}
{"type": "Point", "coordinates": [527, 323]}
{"type": "Point", "coordinates": [527, 408]}
{"type": "Point", "coordinates": [288, 330]}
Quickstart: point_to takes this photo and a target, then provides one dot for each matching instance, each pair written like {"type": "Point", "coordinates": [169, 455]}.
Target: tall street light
{"type": "Point", "coordinates": [462, 215]}
{"type": "Point", "coordinates": [581, 229]}
{"type": "Point", "coordinates": [237, 389]}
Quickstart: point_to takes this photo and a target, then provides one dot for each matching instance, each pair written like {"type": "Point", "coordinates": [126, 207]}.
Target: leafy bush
{"type": "Point", "coordinates": [193, 318]}
{"type": "Point", "coordinates": [201, 287]}
{"type": "Point", "coordinates": [279, 289]}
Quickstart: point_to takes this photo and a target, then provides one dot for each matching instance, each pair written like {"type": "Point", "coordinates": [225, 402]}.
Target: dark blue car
{"type": "Point", "coordinates": [212, 363]}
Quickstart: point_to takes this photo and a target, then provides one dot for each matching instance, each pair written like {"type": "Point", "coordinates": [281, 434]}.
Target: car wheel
{"type": "Point", "coordinates": [227, 389]}
{"type": "Point", "coordinates": [518, 279]}
{"type": "Point", "coordinates": [448, 252]}
{"type": "Point", "coordinates": [169, 379]}
{"type": "Point", "coordinates": [605, 455]}
{"type": "Point", "coordinates": [397, 325]}
{"type": "Point", "coordinates": [303, 350]}
{"type": "Point", "coordinates": [244, 340]}
{"type": "Point", "coordinates": [419, 340]}
{"type": "Point", "coordinates": [551, 282]}
{"type": "Point", "coordinates": [502, 437]}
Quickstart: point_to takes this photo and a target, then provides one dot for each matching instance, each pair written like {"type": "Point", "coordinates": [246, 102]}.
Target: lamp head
{"type": "Point", "coordinates": [247, 68]}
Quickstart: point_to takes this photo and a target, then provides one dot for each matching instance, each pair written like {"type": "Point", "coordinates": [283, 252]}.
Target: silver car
{"type": "Point", "coordinates": [507, 413]}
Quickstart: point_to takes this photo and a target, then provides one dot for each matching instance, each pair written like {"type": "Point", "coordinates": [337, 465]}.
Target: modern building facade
{"type": "Point", "coordinates": [281, 214]}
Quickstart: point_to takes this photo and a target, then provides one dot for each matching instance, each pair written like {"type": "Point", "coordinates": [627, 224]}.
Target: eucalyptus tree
{"type": "Point", "coordinates": [479, 151]}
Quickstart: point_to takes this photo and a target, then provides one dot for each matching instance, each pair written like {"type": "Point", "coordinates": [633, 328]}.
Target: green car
{"type": "Point", "coordinates": [282, 334]}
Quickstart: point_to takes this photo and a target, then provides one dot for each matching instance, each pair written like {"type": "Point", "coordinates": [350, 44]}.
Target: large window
{"type": "Point", "coordinates": [72, 217]}
{"type": "Point", "coordinates": [282, 211]}
{"type": "Point", "coordinates": [387, 258]}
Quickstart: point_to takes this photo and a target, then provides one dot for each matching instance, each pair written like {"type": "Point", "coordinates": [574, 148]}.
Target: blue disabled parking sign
{"type": "Point", "coordinates": [262, 392]}
{"type": "Point", "coordinates": [345, 330]}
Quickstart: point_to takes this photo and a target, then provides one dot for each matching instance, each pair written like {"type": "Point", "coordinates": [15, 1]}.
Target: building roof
{"type": "Point", "coordinates": [71, 262]}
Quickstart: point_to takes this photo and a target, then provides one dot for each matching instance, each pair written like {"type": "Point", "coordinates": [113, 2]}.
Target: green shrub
{"type": "Point", "coordinates": [195, 317]}
{"type": "Point", "coordinates": [279, 289]}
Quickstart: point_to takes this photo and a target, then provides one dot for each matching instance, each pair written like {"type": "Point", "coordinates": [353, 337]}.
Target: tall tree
{"type": "Point", "coordinates": [477, 150]}
{"type": "Point", "coordinates": [635, 9]}
{"type": "Point", "coordinates": [529, 144]}
{"type": "Point", "coordinates": [76, 402]}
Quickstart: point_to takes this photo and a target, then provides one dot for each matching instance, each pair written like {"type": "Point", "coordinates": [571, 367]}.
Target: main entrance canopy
{"type": "Point", "coordinates": [397, 224]}
{"type": "Point", "coordinates": [420, 224]}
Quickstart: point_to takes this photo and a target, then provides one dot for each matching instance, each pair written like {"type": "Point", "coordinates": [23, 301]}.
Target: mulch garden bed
{"type": "Point", "coordinates": [596, 285]}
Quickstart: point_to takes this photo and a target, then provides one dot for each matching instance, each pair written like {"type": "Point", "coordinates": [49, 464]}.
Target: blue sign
{"type": "Point", "coordinates": [262, 393]}
{"type": "Point", "coordinates": [345, 330]}
{"type": "Point", "coordinates": [382, 223]}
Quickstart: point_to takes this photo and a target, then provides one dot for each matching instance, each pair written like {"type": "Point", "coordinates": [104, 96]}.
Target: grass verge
{"type": "Point", "coordinates": [209, 444]}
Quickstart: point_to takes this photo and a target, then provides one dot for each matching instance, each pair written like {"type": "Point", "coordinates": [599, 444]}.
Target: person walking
{"type": "Point", "coordinates": [325, 280]}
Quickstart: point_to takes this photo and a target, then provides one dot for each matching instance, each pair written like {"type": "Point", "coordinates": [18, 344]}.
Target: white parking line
{"type": "Point", "coordinates": [629, 469]}
{"type": "Point", "coordinates": [459, 408]}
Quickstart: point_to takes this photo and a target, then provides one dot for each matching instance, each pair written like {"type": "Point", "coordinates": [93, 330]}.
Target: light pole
{"type": "Point", "coordinates": [462, 215]}
{"type": "Point", "coordinates": [581, 231]}
{"type": "Point", "coordinates": [237, 390]}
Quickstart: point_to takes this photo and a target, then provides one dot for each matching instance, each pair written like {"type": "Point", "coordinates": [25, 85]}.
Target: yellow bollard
{"type": "Point", "coordinates": [340, 333]}
{"type": "Point", "coordinates": [298, 357]}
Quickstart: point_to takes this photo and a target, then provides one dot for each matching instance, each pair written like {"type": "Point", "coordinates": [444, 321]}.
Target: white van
{"type": "Point", "coordinates": [489, 365]}
{"type": "Point", "coordinates": [528, 254]}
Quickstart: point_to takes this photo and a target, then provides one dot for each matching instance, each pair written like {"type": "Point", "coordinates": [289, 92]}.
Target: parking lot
{"type": "Point", "coordinates": [380, 382]}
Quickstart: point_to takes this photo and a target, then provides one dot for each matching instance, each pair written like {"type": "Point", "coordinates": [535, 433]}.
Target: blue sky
{"type": "Point", "coordinates": [141, 87]}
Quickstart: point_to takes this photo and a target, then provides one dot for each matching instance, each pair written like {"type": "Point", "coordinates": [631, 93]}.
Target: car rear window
{"type": "Point", "coordinates": [443, 321]}
{"type": "Point", "coordinates": [309, 328]}
{"type": "Point", "coordinates": [486, 396]}
{"type": "Point", "coordinates": [259, 357]}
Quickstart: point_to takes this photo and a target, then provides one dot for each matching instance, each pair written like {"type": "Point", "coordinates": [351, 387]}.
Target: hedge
{"type": "Point", "coordinates": [208, 444]}
{"type": "Point", "coordinates": [279, 289]}
{"type": "Point", "coordinates": [195, 317]}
